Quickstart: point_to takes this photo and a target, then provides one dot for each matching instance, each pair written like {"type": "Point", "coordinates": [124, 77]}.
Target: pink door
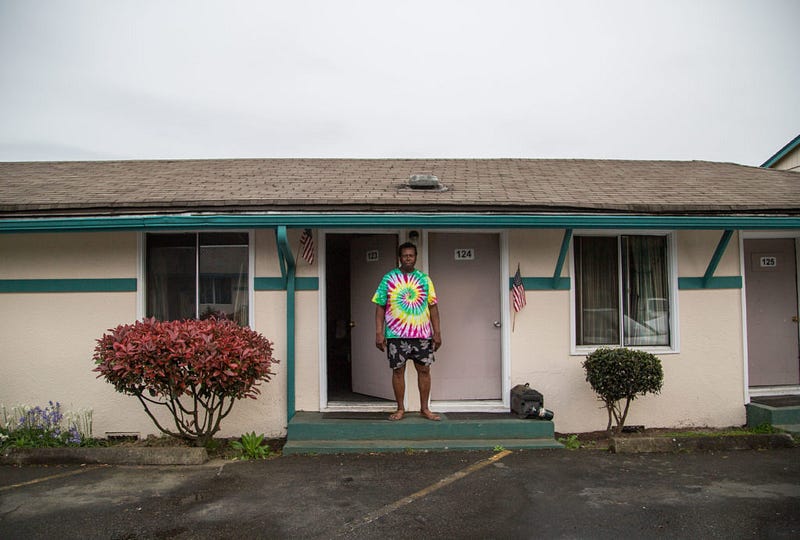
{"type": "Point", "coordinates": [772, 328]}
{"type": "Point", "coordinates": [371, 257]}
{"type": "Point", "coordinates": [465, 269]}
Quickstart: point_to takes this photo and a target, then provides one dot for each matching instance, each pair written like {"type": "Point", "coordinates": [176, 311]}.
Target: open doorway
{"type": "Point", "coordinates": [357, 372]}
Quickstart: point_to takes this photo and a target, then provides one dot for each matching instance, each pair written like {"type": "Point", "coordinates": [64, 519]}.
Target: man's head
{"type": "Point", "coordinates": [407, 255]}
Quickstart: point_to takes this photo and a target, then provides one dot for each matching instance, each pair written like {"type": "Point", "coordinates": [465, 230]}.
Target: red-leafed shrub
{"type": "Point", "coordinates": [194, 368]}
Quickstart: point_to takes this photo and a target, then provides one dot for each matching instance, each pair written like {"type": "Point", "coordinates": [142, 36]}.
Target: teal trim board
{"type": "Point", "coordinates": [716, 282]}
{"type": "Point", "coordinates": [67, 285]}
{"type": "Point", "coordinates": [279, 284]}
{"type": "Point", "coordinates": [288, 265]}
{"type": "Point", "coordinates": [405, 219]}
{"type": "Point", "coordinates": [542, 283]}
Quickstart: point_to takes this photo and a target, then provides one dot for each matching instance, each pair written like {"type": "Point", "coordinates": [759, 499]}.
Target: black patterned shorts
{"type": "Point", "coordinates": [400, 350]}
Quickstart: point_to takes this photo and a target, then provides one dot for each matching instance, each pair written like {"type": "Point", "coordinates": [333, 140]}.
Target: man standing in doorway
{"type": "Point", "coordinates": [407, 327]}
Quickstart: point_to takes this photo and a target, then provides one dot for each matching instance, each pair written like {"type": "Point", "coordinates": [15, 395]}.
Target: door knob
{"type": "Point", "coordinates": [794, 319]}
{"type": "Point", "coordinates": [352, 324]}
{"type": "Point", "coordinates": [496, 324]}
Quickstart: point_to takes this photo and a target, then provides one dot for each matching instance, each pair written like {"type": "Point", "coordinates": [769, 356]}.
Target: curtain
{"type": "Point", "coordinates": [645, 278]}
{"type": "Point", "coordinates": [596, 290]}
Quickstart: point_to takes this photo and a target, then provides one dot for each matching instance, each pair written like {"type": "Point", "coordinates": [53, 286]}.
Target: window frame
{"type": "Point", "coordinates": [141, 274]}
{"type": "Point", "coordinates": [672, 269]}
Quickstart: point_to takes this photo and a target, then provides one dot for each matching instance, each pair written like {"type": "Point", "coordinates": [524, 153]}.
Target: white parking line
{"type": "Point", "coordinates": [52, 477]}
{"type": "Point", "coordinates": [389, 508]}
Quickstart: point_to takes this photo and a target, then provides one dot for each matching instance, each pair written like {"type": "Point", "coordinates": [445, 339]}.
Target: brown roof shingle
{"type": "Point", "coordinates": [503, 185]}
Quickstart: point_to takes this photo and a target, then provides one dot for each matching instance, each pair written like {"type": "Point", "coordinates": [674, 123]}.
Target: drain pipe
{"type": "Point", "coordinates": [288, 271]}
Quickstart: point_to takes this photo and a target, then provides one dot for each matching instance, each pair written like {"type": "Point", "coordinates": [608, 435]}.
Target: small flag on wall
{"type": "Point", "coordinates": [518, 292]}
{"type": "Point", "coordinates": [307, 246]}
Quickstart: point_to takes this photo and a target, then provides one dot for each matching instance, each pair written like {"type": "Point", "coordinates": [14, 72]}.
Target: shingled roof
{"type": "Point", "coordinates": [378, 185]}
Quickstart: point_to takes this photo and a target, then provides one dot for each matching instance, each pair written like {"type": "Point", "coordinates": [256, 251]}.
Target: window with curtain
{"type": "Point", "coordinates": [622, 291]}
{"type": "Point", "coordinates": [197, 275]}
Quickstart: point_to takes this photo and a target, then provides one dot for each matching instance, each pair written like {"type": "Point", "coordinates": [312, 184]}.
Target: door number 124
{"type": "Point", "coordinates": [465, 254]}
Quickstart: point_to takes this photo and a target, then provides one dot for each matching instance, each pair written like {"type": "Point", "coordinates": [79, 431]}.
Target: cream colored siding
{"type": "Point", "coordinates": [696, 248]}
{"type": "Point", "coordinates": [703, 383]}
{"type": "Point", "coordinates": [790, 161]}
{"type": "Point", "coordinates": [47, 339]}
{"type": "Point", "coordinates": [68, 256]}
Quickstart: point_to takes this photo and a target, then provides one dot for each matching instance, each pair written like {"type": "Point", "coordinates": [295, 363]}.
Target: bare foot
{"type": "Point", "coordinates": [427, 413]}
{"type": "Point", "coordinates": [397, 415]}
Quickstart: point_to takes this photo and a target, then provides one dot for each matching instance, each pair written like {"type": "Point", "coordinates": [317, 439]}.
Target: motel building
{"type": "Point", "coordinates": [696, 262]}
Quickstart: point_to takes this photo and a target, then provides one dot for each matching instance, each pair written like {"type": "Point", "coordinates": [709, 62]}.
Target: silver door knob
{"type": "Point", "coordinates": [497, 324]}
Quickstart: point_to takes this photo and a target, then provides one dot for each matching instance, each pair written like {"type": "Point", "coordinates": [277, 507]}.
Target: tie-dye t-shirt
{"type": "Point", "coordinates": [406, 298]}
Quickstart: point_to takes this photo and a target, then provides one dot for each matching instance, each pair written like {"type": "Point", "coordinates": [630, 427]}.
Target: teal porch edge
{"type": "Point", "coordinates": [373, 220]}
{"type": "Point", "coordinates": [67, 285]}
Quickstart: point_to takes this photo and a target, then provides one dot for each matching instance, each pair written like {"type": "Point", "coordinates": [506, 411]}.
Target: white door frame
{"type": "Point", "coordinates": [501, 405]}
{"type": "Point", "coordinates": [756, 235]}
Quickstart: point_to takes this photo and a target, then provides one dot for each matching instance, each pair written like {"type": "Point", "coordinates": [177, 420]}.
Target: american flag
{"type": "Point", "coordinates": [518, 292]}
{"type": "Point", "coordinates": [307, 246]}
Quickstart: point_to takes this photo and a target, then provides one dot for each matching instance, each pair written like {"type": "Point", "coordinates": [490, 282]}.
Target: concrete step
{"type": "Point", "coordinates": [345, 446]}
{"type": "Point", "coordinates": [377, 426]}
{"type": "Point", "coordinates": [761, 413]}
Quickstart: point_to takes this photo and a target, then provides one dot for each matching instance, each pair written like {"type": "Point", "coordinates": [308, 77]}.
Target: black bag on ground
{"type": "Point", "coordinates": [528, 403]}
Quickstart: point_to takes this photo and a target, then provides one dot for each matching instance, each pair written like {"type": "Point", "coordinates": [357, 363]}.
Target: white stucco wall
{"type": "Point", "coordinates": [47, 339]}
{"type": "Point", "coordinates": [703, 383]}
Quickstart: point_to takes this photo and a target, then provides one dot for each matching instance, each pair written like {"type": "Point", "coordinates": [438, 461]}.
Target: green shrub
{"type": "Point", "coordinates": [619, 375]}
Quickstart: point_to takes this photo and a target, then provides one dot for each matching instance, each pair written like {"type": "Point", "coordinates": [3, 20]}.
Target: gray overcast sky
{"type": "Point", "coordinates": [139, 79]}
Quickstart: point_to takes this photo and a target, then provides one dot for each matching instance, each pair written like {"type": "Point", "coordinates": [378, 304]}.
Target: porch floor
{"type": "Point", "coordinates": [350, 432]}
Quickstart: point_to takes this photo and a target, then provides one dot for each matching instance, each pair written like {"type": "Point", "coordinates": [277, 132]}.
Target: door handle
{"type": "Point", "coordinates": [497, 324]}
{"type": "Point", "coordinates": [795, 319]}
{"type": "Point", "coordinates": [352, 324]}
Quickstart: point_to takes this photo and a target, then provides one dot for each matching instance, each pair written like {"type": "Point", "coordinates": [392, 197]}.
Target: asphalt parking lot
{"type": "Point", "coordinates": [522, 494]}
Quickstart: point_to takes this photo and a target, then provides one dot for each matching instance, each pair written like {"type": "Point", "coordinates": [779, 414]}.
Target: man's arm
{"type": "Point", "coordinates": [437, 331]}
{"type": "Point", "coordinates": [380, 339]}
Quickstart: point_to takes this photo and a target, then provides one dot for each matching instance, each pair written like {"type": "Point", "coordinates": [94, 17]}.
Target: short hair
{"type": "Point", "coordinates": [406, 245]}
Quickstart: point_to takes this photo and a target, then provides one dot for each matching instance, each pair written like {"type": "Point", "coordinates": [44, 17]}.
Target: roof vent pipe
{"type": "Point", "coordinates": [424, 181]}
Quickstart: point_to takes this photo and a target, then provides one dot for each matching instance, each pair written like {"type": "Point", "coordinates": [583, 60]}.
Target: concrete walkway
{"type": "Point", "coordinates": [520, 494]}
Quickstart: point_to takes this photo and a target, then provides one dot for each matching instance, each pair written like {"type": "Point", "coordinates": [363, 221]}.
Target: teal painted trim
{"type": "Point", "coordinates": [285, 253]}
{"type": "Point", "coordinates": [717, 282]}
{"type": "Point", "coordinates": [718, 253]}
{"type": "Point", "coordinates": [791, 145]}
{"type": "Point", "coordinates": [279, 284]}
{"type": "Point", "coordinates": [542, 283]}
{"type": "Point", "coordinates": [374, 220]}
{"type": "Point", "coordinates": [306, 283]}
{"type": "Point", "coordinates": [562, 255]}
{"type": "Point", "coordinates": [269, 284]}
{"type": "Point", "coordinates": [67, 285]}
